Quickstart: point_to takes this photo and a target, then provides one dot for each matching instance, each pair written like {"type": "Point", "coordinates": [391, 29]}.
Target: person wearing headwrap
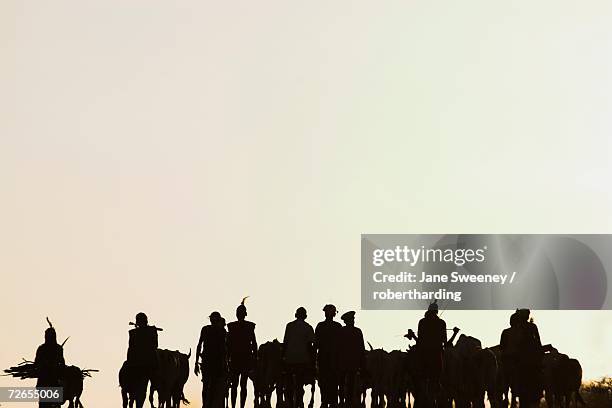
{"type": "Point", "coordinates": [242, 353]}
{"type": "Point", "coordinates": [351, 360]}
{"type": "Point", "coordinates": [50, 362]}
{"type": "Point", "coordinates": [326, 345]}
{"type": "Point", "coordinates": [213, 352]}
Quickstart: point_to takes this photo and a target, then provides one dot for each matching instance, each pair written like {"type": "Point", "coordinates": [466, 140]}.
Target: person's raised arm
{"type": "Point", "coordinates": [449, 343]}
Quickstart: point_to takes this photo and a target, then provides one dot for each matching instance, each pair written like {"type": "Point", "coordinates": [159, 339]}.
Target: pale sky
{"type": "Point", "coordinates": [173, 157]}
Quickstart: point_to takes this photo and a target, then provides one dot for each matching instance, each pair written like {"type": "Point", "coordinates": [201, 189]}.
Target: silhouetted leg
{"type": "Point", "coordinates": [243, 388]}
{"type": "Point", "coordinates": [234, 374]}
{"type": "Point", "coordinates": [204, 391]}
{"type": "Point", "coordinates": [323, 391]}
{"type": "Point", "coordinates": [151, 391]}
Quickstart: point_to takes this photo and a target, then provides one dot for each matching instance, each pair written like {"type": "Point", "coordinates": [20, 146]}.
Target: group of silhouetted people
{"type": "Point", "coordinates": [334, 354]}
{"type": "Point", "coordinates": [227, 357]}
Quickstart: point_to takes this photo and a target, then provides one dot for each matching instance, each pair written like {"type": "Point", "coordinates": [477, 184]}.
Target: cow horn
{"type": "Point", "coordinates": [65, 341]}
{"type": "Point", "coordinates": [49, 321]}
{"type": "Point", "coordinates": [371, 348]}
{"type": "Point", "coordinates": [243, 299]}
{"type": "Point", "coordinates": [189, 355]}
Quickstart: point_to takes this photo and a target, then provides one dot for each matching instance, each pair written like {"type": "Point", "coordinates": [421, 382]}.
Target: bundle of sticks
{"type": "Point", "coordinates": [23, 370]}
{"type": "Point", "coordinates": [27, 369]}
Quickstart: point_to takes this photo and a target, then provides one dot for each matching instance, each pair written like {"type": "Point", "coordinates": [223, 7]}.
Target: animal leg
{"type": "Point", "coordinates": [312, 392]}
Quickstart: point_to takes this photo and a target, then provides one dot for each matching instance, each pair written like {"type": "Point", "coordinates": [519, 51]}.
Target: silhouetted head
{"type": "Point", "coordinates": [348, 318]}
{"type": "Point", "coordinates": [514, 319]}
{"type": "Point", "coordinates": [241, 311]}
{"type": "Point", "coordinates": [215, 317]}
{"type": "Point", "coordinates": [141, 320]}
{"type": "Point", "coordinates": [433, 307]}
{"type": "Point", "coordinates": [330, 311]}
{"type": "Point", "coordinates": [523, 315]}
{"type": "Point", "coordinates": [50, 336]}
{"type": "Point", "coordinates": [300, 313]}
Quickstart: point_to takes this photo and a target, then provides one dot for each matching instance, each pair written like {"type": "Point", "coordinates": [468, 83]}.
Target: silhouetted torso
{"type": "Point", "coordinates": [298, 342]}
{"type": "Point", "coordinates": [351, 349]}
{"type": "Point", "coordinates": [326, 339]}
{"type": "Point", "coordinates": [431, 333]}
{"type": "Point", "coordinates": [50, 361]}
{"type": "Point", "coordinates": [241, 344]}
{"type": "Point", "coordinates": [530, 341]}
{"type": "Point", "coordinates": [214, 349]}
{"type": "Point", "coordinates": [142, 349]}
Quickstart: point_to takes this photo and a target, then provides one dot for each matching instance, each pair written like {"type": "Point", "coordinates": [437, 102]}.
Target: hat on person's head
{"type": "Point", "coordinates": [329, 308]}
{"type": "Point", "coordinates": [348, 316]}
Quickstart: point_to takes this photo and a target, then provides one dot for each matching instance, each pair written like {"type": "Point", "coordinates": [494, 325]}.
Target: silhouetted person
{"type": "Point", "coordinates": [430, 345]}
{"type": "Point", "coordinates": [242, 350]}
{"type": "Point", "coordinates": [298, 356]}
{"type": "Point", "coordinates": [526, 344]}
{"type": "Point", "coordinates": [212, 348]}
{"type": "Point", "coordinates": [142, 355]}
{"type": "Point", "coordinates": [509, 342]}
{"type": "Point", "coordinates": [351, 359]}
{"type": "Point", "coordinates": [326, 345]}
{"type": "Point", "coordinates": [142, 347]}
{"type": "Point", "coordinates": [50, 362]}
